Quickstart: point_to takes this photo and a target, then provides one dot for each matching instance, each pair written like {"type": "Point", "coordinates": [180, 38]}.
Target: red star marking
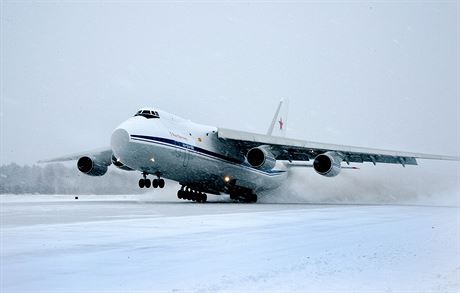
{"type": "Point", "coordinates": [281, 123]}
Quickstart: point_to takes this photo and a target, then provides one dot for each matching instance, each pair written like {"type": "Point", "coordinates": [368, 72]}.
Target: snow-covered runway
{"type": "Point", "coordinates": [56, 243]}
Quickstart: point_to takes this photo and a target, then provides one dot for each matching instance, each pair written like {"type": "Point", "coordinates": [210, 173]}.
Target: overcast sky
{"type": "Point", "coordinates": [372, 74]}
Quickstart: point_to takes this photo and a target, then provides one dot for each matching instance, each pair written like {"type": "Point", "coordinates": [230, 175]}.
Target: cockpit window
{"type": "Point", "coordinates": [147, 114]}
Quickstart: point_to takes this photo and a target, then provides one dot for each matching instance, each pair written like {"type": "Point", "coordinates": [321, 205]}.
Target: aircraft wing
{"type": "Point", "coordinates": [300, 150]}
{"type": "Point", "coordinates": [103, 155]}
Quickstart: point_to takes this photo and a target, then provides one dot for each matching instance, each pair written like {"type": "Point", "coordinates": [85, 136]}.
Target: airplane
{"type": "Point", "coordinates": [210, 160]}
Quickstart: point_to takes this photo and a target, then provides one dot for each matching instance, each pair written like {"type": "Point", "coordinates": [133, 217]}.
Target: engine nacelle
{"type": "Point", "coordinates": [261, 158]}
{"type": "Point", "coordinates": [117, 163]}
{"type": "Point", "coordinates": [91, 166]}
{"type": "Point", "coordinates": [328, 164]}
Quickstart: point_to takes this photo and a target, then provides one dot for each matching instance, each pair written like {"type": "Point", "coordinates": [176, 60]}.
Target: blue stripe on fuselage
{"type": "Point", "coordinates": [185, 146]}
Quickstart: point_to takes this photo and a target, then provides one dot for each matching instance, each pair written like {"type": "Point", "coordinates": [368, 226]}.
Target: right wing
{"type": "Point", "coordinates": [300, 150]}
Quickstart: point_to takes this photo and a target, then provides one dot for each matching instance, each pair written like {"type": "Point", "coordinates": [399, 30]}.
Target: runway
{"type": "Point", "coordinates": [132, 243]}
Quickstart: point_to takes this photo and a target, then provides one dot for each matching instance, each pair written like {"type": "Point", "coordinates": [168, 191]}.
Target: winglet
{"type": "Point", "coordinates": [279, 122]}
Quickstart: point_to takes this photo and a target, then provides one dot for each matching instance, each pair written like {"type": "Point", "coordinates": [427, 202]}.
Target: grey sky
{"type": "Point", "coordinates": [360, 73]}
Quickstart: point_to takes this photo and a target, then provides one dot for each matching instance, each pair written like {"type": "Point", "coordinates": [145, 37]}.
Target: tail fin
{"type": "Point", "coordinates": [279, 122]}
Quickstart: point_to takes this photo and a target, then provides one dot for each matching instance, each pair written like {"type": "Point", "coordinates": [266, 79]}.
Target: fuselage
{"type": "Point", "coordinates": [189, 153]}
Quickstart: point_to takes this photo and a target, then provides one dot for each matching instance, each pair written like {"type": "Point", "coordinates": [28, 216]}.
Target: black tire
{"type": "Point", "coordinates": [204, 198]}
{"type": "Point", "coordinates": [179, 194]}
{"type": "Point", "coordinates": [252, 198]}
{"type": "Point", "coordinates": [161, 183]}
{"type": "Point", "coordinates": [141, 183]}
{"type": "Point", "coordinates": [155, 183]}
{"type": "Point", "coordinates": [147, 183]}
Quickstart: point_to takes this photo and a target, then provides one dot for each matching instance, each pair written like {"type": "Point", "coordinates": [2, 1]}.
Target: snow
{"type": "Point", "coordinates": [126, 243]}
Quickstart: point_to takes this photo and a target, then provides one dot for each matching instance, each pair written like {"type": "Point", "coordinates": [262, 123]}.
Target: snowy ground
{"type": "Point", "coordinates": [128, 243]}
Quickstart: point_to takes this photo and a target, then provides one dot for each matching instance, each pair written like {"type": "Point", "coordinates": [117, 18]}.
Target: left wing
{"type": "Point", "coordinates": [300, 150]}
{"type": "Point", "coordinates": [103, 155]}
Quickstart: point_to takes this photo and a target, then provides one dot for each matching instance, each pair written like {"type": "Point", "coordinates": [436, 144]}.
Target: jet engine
{"type": "Point", "coordinates": [261, 158]}
{"type": "Point", "coordinates": [91, 166]}
{"type": "Point", "coordinates": [117, 163]}
{"type": "Point", "coordinates": [328, 164]}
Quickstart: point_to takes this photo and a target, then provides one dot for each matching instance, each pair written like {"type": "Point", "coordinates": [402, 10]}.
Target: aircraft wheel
{"type": "Point", "coordinates": [193, 196]}
{"type": "Point", "coordinates": [161, 183]}
{"type": "Point", "coordinates": [155, 183]}
{"type": "Point", "coordinates": [141, 183]}
{"type": "Point", "coordinates": [147, 183]}
{"type": "Point", "coordinates": [251, 198]}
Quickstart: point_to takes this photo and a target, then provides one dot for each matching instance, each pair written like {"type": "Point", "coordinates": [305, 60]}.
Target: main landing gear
{"type": "Point", "coordinates": [243, 195]}
{"type": "Point", "coordinates": [187, 193]}
{"type": "Point", "coordinates": [155, 183]}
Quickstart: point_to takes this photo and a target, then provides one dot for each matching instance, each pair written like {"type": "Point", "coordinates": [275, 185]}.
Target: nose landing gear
{"type": "Point", "coordinates": [158, 183]}
{"type": "Point", "coordinates": [144, 182]}
{"type": "Point", "coordinates": [155, 183]}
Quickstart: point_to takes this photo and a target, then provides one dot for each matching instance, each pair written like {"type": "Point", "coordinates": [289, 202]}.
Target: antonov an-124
{"type": "Point", "coordinates": [206, 159]}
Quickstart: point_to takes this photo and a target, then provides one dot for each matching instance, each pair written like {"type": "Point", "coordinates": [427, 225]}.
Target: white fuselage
{"type": "Point", "coordinates": [190, 153]}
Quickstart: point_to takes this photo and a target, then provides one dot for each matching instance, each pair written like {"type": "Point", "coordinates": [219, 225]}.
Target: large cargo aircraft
{"type": "Point", "coordinates": [206, 159]}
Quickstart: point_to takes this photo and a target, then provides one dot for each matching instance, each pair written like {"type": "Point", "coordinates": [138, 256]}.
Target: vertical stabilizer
{"type": "Point", "coordinates": [279, 122]}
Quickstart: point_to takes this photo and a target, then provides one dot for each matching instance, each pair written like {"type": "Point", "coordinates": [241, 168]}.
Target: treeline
{"type": "Point", "coordinates": [61, 179]}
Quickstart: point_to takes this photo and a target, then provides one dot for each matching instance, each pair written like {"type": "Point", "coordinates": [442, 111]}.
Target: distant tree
{"type": "Point", "coordinates": [60, 179]}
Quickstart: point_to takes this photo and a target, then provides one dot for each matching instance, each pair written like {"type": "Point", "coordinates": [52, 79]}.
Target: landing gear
{"type": "Point", "coordinates": [187, 193]}
{"type": "Point", "coordinates": [158, 183]}
{"type": "Point", "coordinates": [144, 182]}
{"type": "Point", "coordinates": [251, 198]}
{"type": "Point", "coordinates": [246, 196]}
{"type": "Point", "coordinates": [155, 183]}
